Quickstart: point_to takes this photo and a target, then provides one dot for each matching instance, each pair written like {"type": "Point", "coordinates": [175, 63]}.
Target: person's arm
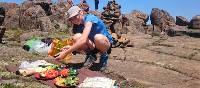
{"type": "Point", "coordinates": [79, 42]}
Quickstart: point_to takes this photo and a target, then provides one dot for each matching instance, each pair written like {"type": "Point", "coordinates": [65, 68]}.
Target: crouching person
{"type": "Point", "coordinates": [90, 36]}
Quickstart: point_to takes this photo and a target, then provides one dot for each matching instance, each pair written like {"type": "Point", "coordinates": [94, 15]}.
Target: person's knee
{"type": "Point", "coordinates": [101, 42]}
{"type": "Point", "coordinates": [99, 37]}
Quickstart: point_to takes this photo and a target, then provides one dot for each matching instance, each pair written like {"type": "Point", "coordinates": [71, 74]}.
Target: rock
{"type": "Point", "coordinates": [125, 20]}
{"type": "Point", "coordinates": [147, 74]}
{"type": "Point", "coordinates": [175, 51]}
{"type": "Point", "coordinates": [162, 19]}
{"type": "Point", "coordinates": [30, 17]}
{"type": "Point", "coordinates": [137, 24]}
{"type": "Point", "coordinates": [35, 11]}
{"type": "Point", "coordinates": [111, 15]}
{"type": "Point", "coordinates": [140, 15]}
{"type": "Point", "coordinates": [195, 22]}
{"type": "Point", "coordinates": [26, 4]}
{"type": "Point", "coordinates": [181, 21]}
{"type": "Point", "coordinates": [41, 1]}
{"type": "Point", "coordinates": [12, 19]}
{"type": "Point", "coordinates": [117, 28]}
{"type": "Point", "coordinates": [117, 54]}
{"type": "Point", "coordinates": [183, 30]}
{"type": "Point", "coordinates": [45, 24]}
{"type": "Point", "coordinates": [8, 6]}
{"type": "Point", "coordinates": [35, 18]}
{"type": "Point", "coordinates": [46, 7]}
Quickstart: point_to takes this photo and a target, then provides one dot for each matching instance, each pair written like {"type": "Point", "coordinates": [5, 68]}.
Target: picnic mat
{"type": "Point", "coordinates": [83, 74]}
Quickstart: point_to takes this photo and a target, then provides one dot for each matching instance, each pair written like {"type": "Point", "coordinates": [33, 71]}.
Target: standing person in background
{"type": "Point", "coordinates": [96, 4]}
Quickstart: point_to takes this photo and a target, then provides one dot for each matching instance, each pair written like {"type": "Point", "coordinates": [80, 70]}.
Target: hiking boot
{"type": "Point", "coordinates": [103, 61]}
{"type": "Point", "coordinates": [89, 60]}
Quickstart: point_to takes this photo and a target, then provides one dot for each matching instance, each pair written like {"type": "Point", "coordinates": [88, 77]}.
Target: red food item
{"type": "Point", "coordinates": [37, 75]}
{"type": "Point", "coordinates": [51, 74]}
{"type": "Point", "coordinates": [64, 72]}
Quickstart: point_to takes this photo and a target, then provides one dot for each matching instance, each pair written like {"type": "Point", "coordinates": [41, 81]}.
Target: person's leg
{"type": "Point", "coordinates": [102, 44]}
{"type": "Point", "coordinates": [96, 4]}
{"type": "Point", "coordinates": [89, 44]}
{"type": "Point", "coordinates": [90, 57]}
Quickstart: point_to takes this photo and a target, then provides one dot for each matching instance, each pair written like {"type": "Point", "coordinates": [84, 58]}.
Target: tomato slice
{"type": "Point", "coordinates": [51, 74]}
{"type": "Point", "coordinates": [64, 72]}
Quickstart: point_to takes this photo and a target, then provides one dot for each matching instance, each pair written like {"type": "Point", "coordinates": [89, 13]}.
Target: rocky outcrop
{"type": "Point", "coordinates": [8, 6]}
{"type": "Point", "coordinates": [28, 16]}
{"type": "Point", "coordinates": [181, 21]}
{"type": "Point", "coordinates": [137, 21]}
{"type": "Point", "coordinates": [162, 19]}
{"type": "Point", "coordinates": [12, 19]}
{"type": "Point", "coordinates": [141, 15]}
{"type": "Point", "coordinates": [35, 18]}
{"type": "Point", "coordinates": [195, 22]}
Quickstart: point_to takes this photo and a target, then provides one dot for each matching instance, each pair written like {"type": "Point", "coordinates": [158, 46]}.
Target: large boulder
{"type": "Point", "coordinates": [195, 22]}
{"type": "Point", "coordinates": [181, 21]}
{"type": "Point", "coordinates": [34, 11]}
{"type": "Point", "coordinates": [11, 17]}
{"type": "Point", "coordinates": [140, 15]}
{"type": "Point", "coordinates": [162, 19]}
{"type": "Point", "coordinates": [137, 21]}
{"type": "Point", "coordinates": [45, 24]}
{"type": "Point", "coordinates": [46, 7]}
{"type": "Point", "coordinates": [59, 16]}
{"type": "Point", "coordinates": [35, 18]}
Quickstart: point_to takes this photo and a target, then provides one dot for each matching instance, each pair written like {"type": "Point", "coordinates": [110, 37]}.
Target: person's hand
{"type": "Point", "coordinates": [60, 56]}
{"type": "Point", "coordinates": [65, 48]}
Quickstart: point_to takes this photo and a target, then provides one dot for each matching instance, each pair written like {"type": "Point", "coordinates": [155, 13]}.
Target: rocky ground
{"type": "Point", "coordinates": [13, 54]}
{"type": "Point", "coordinates": [153, 62]}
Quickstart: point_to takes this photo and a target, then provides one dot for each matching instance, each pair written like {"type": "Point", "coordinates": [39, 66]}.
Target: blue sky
{"type": "Point", "coordinates": [186, 8]}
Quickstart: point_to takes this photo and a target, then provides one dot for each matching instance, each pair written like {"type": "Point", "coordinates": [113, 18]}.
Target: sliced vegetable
{"type": "Point", "coordinates": [73, 72]}
{"type": "Point", "coordinates": [64, 72]}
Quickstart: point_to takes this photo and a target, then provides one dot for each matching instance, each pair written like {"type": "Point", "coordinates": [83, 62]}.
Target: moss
{"type": "Point", "coordinates": [133, 84]}
{"type": "Point", "coordinates": [8, 75]}
{"type": "Point", "coordinates": [58, 35]}
{"type": "Point", "coordinates": [8, 86]}
{"type": "Point", "coordinates": [13, 34]}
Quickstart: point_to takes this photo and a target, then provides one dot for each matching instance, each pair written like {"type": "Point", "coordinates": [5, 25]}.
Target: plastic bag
{"type": "Point", "coordinates": [26, 64]}
{"type": "Point", "coordinates": [57, 45]}
{"type": "Point", "coordinates": [40, 47]}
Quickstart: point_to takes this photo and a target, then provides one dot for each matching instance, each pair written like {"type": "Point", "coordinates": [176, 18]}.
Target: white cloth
{"type": "Point", "coordinates": [97, 82]}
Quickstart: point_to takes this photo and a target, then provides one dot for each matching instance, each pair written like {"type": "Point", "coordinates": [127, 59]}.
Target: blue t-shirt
{"type": "Point", "coordinates": [98, 27]}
